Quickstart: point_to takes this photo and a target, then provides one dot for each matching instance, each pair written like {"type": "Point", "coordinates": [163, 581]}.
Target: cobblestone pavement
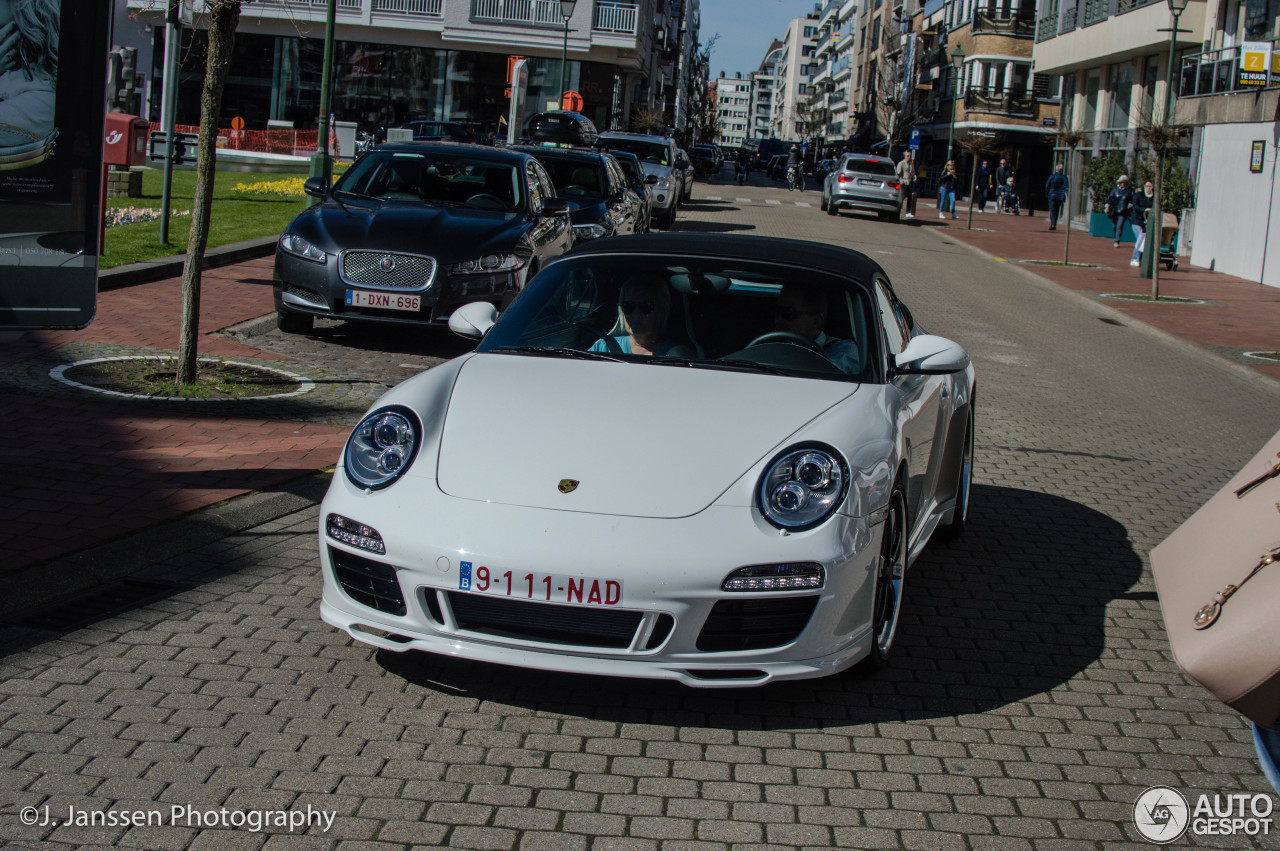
{"type": "Point", "coordinates": [1032, 699]}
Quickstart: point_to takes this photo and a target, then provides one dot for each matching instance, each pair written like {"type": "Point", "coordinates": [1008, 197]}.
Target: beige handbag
{"type": "Point", "coordinates": [1218, 578]}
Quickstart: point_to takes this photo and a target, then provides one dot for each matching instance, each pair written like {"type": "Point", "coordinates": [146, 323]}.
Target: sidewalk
{"type": "Point", "coordinates": [81, 469]}
{"type": "Point", "coordinates": [1237, 316]}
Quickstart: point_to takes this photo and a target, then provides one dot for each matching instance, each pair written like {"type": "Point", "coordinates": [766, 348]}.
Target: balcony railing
{"type": "Point", "coordinates": [1017, 25]}
{"type": "Point", "coordinates": [1217, 72]}
{"type": "Point", "coordinates": [537, 13]}
{"type": "Point", "coordinates": [999, 102]}
{"type": "Point", "coordinates": [1096, 11]}
{"type": "Point", "coordinates": [615, 18]}
{"type": "Point", "coordinates": [413, 8]}
{"type": "Point", "coordinates": [320, 5]}
{"type": "Point", "coordinates": [1049, 23]}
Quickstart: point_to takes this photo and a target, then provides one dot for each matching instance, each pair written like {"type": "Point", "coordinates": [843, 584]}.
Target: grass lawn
{"type": "Point", "coordinates": [235, 217]}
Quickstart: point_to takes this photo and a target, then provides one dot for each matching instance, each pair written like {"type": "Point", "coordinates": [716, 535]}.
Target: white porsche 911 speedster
{"type": "Point", "coordinates": [702, 458]}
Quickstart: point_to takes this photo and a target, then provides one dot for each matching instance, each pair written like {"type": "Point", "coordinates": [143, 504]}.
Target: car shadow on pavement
{"type": "Point", "coordinates": [1016, 608]}
{"type": "Point", "coordinates": [709, 227]}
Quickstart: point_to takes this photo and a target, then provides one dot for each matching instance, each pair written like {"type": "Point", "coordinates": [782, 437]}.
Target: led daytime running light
{"type": "Point", "coordinates": [775, 577]}
{"type": "Point", "coordinates": [354, 534]}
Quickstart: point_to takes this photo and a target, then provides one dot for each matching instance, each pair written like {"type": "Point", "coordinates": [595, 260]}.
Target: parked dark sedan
{"type": "Point", "coordinates": [594, 185]}
{"type": "Point", "coordinates": [640, 183]}
{"type": "Point", "coordinates": [412, 230]}
{"type": "Point", "coordinates": [436, 131]}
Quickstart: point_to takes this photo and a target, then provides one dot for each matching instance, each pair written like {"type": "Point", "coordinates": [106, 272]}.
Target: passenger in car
{"type": "Point", "coordinates": [644, 306]}
{"type": "Point", "coordinates": [802, 310]}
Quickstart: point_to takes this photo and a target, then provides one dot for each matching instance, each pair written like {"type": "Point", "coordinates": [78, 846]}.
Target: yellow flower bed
{"type": "Point", "coordinates": [288, 187]}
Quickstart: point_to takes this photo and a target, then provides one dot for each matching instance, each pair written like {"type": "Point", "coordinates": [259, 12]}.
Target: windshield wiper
{"type": "Point", "coordinates": [554, 351]}
{"type": "Point", "coordinates": [740, 365]}
{"type": "Point", "coordinates": [351, 194]}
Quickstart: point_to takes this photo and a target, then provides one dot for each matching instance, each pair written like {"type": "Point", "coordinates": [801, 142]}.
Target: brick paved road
{"type": "Point", "coordinates": [1033, 699]}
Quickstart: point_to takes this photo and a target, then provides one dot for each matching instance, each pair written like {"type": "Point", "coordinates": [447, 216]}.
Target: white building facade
{"type": "Point", "coordinates": [733, 108]}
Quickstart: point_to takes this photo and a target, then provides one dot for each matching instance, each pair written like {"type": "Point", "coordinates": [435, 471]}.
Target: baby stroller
{"type": "Point", "coordinates": [1169, 241]}
{"type": "Point", "coordinates": [1007, 198]}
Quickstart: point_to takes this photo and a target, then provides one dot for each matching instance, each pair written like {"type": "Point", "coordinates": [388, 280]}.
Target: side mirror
{"type": "Point", "coordinates": [682, 164]}
{"type": "Point", "coordinates": [473, 320]}
{"type": "Point", "coordinates": [316, 187]}
{"type": "Point", "coordinates": [930, 355]}
{"type": "Point", "coordinates": [651, 179]}
{"type": "Point", "coordinates": [555, 207]}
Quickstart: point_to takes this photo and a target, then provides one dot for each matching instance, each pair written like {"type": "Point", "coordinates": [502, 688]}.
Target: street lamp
{"type": "Point", "coordinates": [322, 162]}
{"type": "Point", "coordinates": [1177, 7]}
{"type": "Point", "coordinates": [957, 56]}
{"type": "Point", "coordinates": [566, 12]}
{"type": "Point", "coordinates": [1154, 229]}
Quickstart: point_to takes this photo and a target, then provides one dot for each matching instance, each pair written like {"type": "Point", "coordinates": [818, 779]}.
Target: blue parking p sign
{"type": "Point", "coordinates": [914, 144]}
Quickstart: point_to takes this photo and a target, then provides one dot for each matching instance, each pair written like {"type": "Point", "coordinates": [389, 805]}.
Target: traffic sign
{"type": "Point", "coordinates": [237, 123]}
{"type": "Point", "coordinates": [914, 144]}
{"type": "Point", "coordinates": [571, 101]}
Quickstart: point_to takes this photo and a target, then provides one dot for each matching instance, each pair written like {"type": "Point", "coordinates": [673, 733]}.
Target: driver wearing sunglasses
{"type": "Point", "coordinates": [644, 305]}
{"type": "Point", "coordinates": [802, 310]}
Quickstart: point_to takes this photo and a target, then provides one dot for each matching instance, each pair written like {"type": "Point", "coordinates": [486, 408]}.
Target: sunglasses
{"type": "Point", "coordinates": [639, 308]}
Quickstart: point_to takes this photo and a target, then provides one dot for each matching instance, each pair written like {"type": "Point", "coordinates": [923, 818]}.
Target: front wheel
{"type": "Point", "coordinates": [891, 569]}
{"type": "Point", "coordinates": [294, 323]}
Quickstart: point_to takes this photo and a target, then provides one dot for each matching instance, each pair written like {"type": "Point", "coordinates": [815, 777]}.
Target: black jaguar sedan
{"type": "Point", "coordinates": [412, 230]}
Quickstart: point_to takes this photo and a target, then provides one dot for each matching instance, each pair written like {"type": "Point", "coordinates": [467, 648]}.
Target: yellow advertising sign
{"type": "Point", "coordinates": [1255, 59]}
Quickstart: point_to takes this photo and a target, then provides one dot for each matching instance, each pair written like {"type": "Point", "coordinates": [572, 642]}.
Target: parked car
{"type": "Point", "coordinates": [863, 182]}
{"type": "Point", "coordinates": [740, 508]}
{"type": "Point", "coordinates": [824, 167]}
{"type": "Point", "coordinates": [639, 183]}
{"type": "Point", "coordinates": [413, 229]}
{"type": "Point", "coordinates": [561, 128]}
{"type": "Point", "coordinates": [658, 156]}
{"type": "Point", "coordinates": [601, 203]}
{"type": "Point", "coordinates": [709, 154]}
{"type": "Point", "coordinates": [433, 131]}
{"type": "Point", "coordinates": [777, 167]}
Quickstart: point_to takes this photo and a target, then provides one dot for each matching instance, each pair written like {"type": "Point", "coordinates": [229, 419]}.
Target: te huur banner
{"type": "Point", "coordinates": [1255, 59]}
{"type": "Point", "coordinates": [53, 61]}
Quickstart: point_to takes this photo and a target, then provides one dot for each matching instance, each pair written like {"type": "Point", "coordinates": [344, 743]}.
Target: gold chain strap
{"type": "Point", "coordinates": [1208, 613]}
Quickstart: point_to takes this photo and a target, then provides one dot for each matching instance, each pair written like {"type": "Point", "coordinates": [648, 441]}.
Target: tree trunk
{"type": "Point", "coordinates": [1157, 214]}
{"type": "Point", "coordinates": [1066, 244]}
{"type": "Point", "coordinates": [224, 17]}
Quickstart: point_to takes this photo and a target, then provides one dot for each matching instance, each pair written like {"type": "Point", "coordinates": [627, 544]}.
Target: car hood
{"type": "Point", "coordinates": [641, 440]}
{"type": "Point", "coordinates": [447, 233]}
{"type": "Point", "coordinates": [660, 170]}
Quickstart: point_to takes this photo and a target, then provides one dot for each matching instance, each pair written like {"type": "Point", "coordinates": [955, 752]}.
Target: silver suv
{"type": "Point", "coordinates": [863, 182]}
{"type": "Point", "coordinates": [663, 173]}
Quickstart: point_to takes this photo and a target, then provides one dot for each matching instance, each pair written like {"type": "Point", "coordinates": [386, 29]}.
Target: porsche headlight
{"type": "Point", "coordinates": [291, 243]}
{"type": "Point", "coordinates": [382, 447]}
{"type": "Point", "coordinates": [589, 231]}
{"type": "Point", "coordinates": [802, 486]}
{"type": "Point", "coordinates": [488, 264]}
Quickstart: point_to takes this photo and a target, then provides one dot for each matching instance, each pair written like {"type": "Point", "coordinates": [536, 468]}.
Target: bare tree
{"type": "Point", "coordinates": [1071, 139]}
{"type": "Point", "coordinates": [224, 17]}
{"type": "Point", "coordinates": [975, 145]}
{"type": "Point", "coordinates": [1163, 136]}
{"type": "Point", "coordinates": [646, 119]}
{"type": "Point", "coordinates": [899, 107]}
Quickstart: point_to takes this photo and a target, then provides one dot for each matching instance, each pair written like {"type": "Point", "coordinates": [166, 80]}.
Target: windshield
{"type": "Point", "coordinates": [463, 180]}
{"type": "Point", "coordinates": [576, 178]}
{"type": "Point", "coordinates": [694, 313]}
{"type": "Point", "coordinates": [634, 173]}
{"type": "Point", "coordinates": [657, 153]}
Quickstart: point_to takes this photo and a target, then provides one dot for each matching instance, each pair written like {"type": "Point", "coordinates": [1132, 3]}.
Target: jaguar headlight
{"type": "Point", "coordinates": [488, 264]}
{"type": "Point", "coordinates": [802, 486]}
{"type": "Point", "coordinates": [382, 447]}
{"type": "Point", "coordinates": [291, 243]}
{"type": "Point", "coordinates": [589, 231]}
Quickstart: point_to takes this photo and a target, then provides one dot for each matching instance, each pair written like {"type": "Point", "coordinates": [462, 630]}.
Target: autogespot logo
{"type": "Point", "coordinates": [1162, 814]}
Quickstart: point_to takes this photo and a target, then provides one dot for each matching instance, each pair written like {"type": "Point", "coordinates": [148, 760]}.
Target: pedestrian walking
{"type": "Point", "coordinates": [983, 186]}
{"type": "Point", "coordinates": [1056, 189]}
{"type": "Point", "coordinates": [1119, 205]}
{"type": "Point", "coordinates": [907, 177]}
{"type": "Point", "coordinates": [947, 190]}
{"type": "Point", "coordinates": [1143, 201]}
{"type": "Point", "coordinates": [1003, 172]}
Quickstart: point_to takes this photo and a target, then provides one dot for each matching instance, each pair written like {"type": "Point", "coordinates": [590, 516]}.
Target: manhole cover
{"type": "Point", "coordinates": [152, 377]}
{"type": "Point", "coordinates": [1164, 299]}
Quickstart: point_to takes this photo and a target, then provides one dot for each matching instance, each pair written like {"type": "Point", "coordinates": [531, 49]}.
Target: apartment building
{"type": "Point", "coordinates": [442, 59]}
{"type": "Point", "coordinates": [1234, 142]}
{"type": "Point", "coordinates": [835, 51]}
{"type": "Point", "coordinates": [791, 118]}
{"type": "Point", "coordinates": [1112, 58]}
{"type": "Point", "coordinates": [764, 85]}
{"type": "Point", "coordinates": [733, 108]}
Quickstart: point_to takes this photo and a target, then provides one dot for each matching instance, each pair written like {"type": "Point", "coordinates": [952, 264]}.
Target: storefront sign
{"type": "Point", "coordinates": [1257, 156]}
{"type": "Point", "coordinates": [1255, 59]}
{"type": "Point", "coordinates": [51, 137]}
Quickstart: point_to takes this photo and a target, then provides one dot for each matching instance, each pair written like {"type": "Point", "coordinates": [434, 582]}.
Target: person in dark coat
{"type": "Point", "coordinates": [1056, 189]}
{"type": "Point", "coordinates": [984, 186]}
{"type": "Point", "coordinates": [1120, 206]}
{"type": "Point", "coordinates": [1142, 203]}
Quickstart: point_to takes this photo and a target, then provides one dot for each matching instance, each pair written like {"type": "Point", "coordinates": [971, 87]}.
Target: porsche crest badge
{"type": "Point", "coordinates": [568, 485]}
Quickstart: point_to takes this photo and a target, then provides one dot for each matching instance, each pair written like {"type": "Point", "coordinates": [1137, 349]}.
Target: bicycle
{"type": "Point", "coordinates": [795, 179]}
